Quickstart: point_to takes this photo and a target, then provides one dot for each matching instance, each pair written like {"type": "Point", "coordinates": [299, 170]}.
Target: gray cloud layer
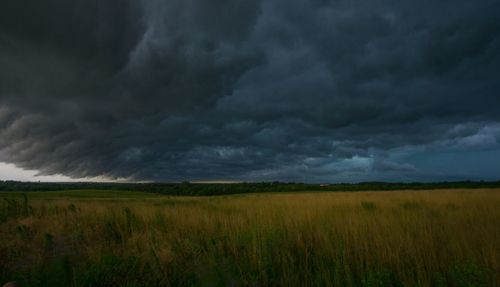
{"type": "Point", "coordinates": [256, 90]}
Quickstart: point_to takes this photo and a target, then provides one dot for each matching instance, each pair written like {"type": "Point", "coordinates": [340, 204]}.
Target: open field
{"type": "Point", "coordinates": [122, 238]}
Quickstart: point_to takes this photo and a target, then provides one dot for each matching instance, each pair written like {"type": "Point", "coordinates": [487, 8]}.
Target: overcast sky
{"type": "Point", "coordinates": [291, 90]}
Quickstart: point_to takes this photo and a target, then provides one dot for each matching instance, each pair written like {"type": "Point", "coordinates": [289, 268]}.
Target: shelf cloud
{"type": "Point", "coordinates": [291, 90]}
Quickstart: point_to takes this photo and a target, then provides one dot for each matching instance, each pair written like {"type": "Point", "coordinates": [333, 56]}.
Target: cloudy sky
{"type": "Point", "coordinates": [291, 90]}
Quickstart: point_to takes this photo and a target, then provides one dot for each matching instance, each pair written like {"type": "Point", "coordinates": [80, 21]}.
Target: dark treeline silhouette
{"type": "Point", "coordinates": [194, 189]}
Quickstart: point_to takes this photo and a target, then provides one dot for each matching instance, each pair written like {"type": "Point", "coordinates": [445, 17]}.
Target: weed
{"type": "Point", "coordinates": [412, 205]}
{"type": "Point", "coordinates": [368, 205]}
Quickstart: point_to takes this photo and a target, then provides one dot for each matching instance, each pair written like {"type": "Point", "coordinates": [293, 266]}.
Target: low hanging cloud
{"type": "Point", "coordinates": [251, 90]}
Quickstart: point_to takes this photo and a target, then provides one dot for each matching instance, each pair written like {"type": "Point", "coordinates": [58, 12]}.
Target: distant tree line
{"type": "Point", "coordinates": [201, 189]}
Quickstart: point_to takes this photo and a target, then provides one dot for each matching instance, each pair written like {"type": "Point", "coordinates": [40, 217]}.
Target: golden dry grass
{"type": "Point", "coordinates": [403, 238]}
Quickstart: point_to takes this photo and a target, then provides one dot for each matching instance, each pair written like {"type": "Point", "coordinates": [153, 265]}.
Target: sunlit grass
{"type": "Point", "coordinates": [405, 238]}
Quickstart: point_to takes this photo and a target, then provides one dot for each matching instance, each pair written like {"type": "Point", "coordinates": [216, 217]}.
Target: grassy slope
{"type": "Point", "coordinates": [112, 238]}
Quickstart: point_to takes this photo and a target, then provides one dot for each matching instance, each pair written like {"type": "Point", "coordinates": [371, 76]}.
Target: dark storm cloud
{"type": "Point", "coordinates": [254, 90]}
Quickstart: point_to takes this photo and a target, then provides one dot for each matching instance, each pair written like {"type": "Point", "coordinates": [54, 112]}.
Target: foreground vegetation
{"type": "Point", "coordinates": [122, 238]}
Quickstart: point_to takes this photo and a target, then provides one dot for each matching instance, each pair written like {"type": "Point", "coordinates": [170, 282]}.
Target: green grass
{"type": "Point", "coordinates": [113, 238]}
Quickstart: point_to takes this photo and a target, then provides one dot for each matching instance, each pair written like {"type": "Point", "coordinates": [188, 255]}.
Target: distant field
{"type": "Point", "coordinates": [80, 194]}
{"type": "Point", "coordinates": [123, 238]}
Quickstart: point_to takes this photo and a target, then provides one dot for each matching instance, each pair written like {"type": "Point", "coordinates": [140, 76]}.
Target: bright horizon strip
{"type": "Point", "coordinates": [11, 172]}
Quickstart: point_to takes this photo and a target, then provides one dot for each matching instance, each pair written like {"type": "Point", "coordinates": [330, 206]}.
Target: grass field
{"type": "Point", "coordinates": [397, 238]}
